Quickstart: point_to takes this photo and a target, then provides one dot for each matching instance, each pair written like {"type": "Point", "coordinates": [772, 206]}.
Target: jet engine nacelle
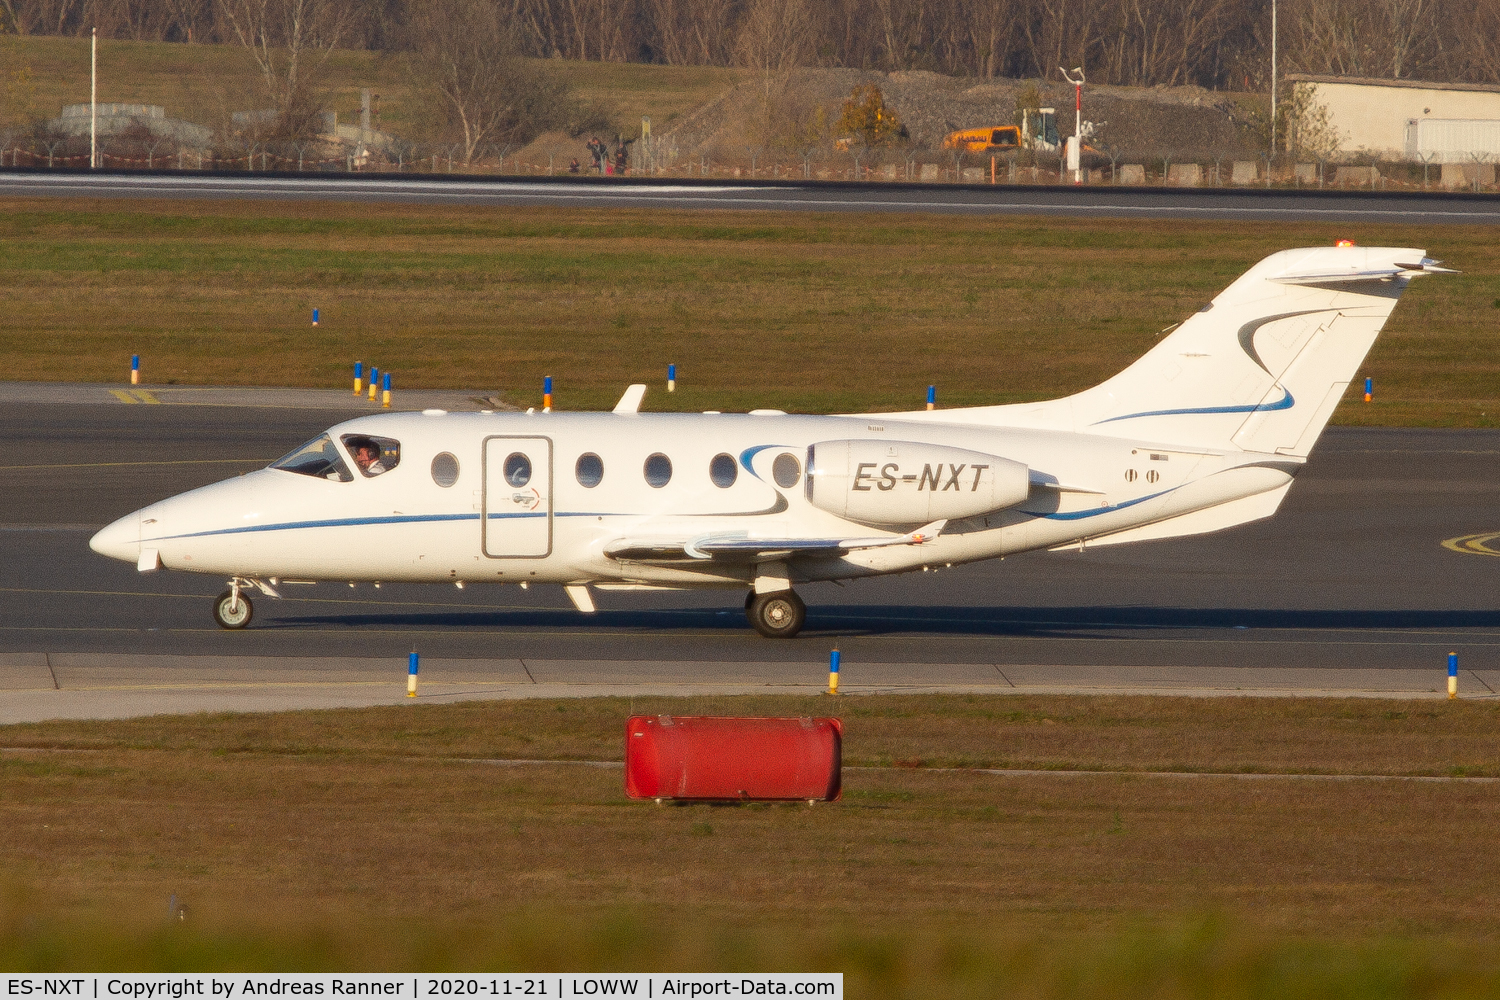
{"type": "Point", "coordinates": [904, 482]}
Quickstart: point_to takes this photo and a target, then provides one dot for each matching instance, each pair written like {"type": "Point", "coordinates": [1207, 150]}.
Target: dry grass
{"type": "Point", "coordinates": [200, 83]}
{"type": "Point", "coordinates": [806, 312]}
{"type": "Point", "coordinates": [341, 820]}
{"type": "Point", "coordinates": [1124, 733]}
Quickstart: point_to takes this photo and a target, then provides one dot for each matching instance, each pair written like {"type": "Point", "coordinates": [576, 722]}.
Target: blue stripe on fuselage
{"type": "Point", "coordinates": [1286, 402]}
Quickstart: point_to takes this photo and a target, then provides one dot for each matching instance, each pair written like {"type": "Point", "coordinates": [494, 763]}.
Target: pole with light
{"type": "Point", "coordinates": [1075, 150]}
{"type": "Point", "coordinates": [94, 101]}
{"type": "Point", "coordinates": [1273, 79]}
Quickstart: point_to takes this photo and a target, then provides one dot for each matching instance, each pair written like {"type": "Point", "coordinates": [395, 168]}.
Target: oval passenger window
{"type": "Point", "coordinates": [445, 469]}
{"type": "Point", "coordinates": [517, 469]}
{"type": "Point", "coordinates": [723, 471]}
{"type": "Point", "coordinates": [658, 470]}
{"type": "Point", "coordinates": [786, 470]}
{"type": "Point", "coordinates": [589, 470]}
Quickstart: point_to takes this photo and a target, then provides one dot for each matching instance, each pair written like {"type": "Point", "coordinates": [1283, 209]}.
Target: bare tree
{"type": "Point", "coordinates": [1480, 50]}
{"type": "Point", "coordinates": [687, 32]}
{"type": "Point", "coordinates": [484, 91]}
{"type": "Point", "coordinates": [290, 41]}
{"type": "Point", "coordinates": [671, 33]}
{"type": "Point", "coordinates": [192, 20]}
{"type": "Point", "coordinates": [1062, 33]}
{"type": "Point", "coordinates": [774, 38]}
{"type": "Point", "coordinates": [990, 30]}
{"type": "Point", "coordinates": [45, 17]}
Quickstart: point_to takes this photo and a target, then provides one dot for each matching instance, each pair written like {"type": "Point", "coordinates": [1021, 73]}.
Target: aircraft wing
{"type": "Point", "coordinates": [740, 547]}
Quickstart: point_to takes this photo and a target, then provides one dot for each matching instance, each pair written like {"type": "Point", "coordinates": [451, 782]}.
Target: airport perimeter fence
{"type": "Point", "coordinates": [1196, 169]}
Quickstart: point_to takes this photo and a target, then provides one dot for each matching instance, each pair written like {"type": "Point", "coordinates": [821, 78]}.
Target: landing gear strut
{"type": "Point", "coordinates": [777, 615]}
{"type": "Point", "coordinates": [232, 609]}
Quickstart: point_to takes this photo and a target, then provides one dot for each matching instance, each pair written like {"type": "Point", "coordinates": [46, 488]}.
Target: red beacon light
{"type": "Point", "coordinates": [1344, 243]}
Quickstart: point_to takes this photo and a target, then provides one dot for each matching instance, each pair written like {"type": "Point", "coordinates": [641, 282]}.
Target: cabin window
{"type": "Point", "coordinates": [658, 471]}
{"type": "Point", "coordinates": [373, 456]}
{"type": "Point", "coordinates": [517, 469]}
{"type": "Point", "coordinates": [445, 469]}
{"type": "Point", "coordinates": [786, 470]}
{"type": "Point", "coordinates": [589, 470]}
{"type": "Point", "coordinates": [723, 470]}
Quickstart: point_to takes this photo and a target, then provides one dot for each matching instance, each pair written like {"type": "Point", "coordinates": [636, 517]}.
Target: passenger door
{"type": "Point", "coordinates": [517, 497]}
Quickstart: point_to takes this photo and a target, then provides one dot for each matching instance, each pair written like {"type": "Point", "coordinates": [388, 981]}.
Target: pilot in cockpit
{"type": "Point", "coordinates": [366, 455]}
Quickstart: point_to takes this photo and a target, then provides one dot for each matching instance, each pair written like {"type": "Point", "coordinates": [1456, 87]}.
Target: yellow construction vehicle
{"type": "Point", "coordinates": [1001, 139]}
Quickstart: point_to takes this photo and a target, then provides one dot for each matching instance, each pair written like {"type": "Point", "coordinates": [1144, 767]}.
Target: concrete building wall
{"type": "Point", "coordinates": [1371, 115]}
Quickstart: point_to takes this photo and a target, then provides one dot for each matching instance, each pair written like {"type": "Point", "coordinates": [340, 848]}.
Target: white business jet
{"type": "Point", "coordinates": [1207, 430]}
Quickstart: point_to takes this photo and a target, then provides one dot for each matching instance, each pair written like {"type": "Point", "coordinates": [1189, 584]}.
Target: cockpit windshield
{"type": "Point", "coordinates": [319, 458]}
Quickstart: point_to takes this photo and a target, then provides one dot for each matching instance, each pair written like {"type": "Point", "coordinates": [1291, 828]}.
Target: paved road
{"type": "Point", "coordinates": [1097, 201]}
{"type": "Point", "coordinates": [1351, 574]}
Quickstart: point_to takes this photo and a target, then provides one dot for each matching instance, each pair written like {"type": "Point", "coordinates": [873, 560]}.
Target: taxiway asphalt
{"type": "Point", "coordinates": [1101, 201]}
{"type": "Point", "coordinates": [1351, 579]}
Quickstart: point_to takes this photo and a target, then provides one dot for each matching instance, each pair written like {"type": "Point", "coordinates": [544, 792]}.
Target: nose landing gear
{"type": "Point", "coordinates": [232, 609]}
{"type": "Point", "coordinates": [777, 615]}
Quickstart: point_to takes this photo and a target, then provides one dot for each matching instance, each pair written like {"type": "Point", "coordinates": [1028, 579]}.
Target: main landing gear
{"type": "Point", "coordinates": [778, 615]}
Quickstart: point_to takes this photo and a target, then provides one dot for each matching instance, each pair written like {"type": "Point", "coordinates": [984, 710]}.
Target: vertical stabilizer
{"type": "Point", "coordinates": [1262, 366]}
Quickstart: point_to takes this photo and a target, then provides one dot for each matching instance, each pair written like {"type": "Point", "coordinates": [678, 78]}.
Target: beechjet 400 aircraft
{"type": "Point", "coordinates": [1205, 431]}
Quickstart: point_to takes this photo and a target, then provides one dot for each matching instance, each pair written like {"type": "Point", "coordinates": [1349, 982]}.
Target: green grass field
{"type": "Point", "coordinates": [381, 839]}
{"type": "Point", "coordinates": [816, 313]}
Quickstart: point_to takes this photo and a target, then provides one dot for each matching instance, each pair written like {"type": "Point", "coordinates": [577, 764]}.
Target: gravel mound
{"type": "Point", "coordinates": [1141, 123]}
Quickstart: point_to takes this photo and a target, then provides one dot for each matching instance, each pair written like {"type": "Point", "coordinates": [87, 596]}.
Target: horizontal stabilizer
{"type": "Point", "coordinates": [1378, 273]}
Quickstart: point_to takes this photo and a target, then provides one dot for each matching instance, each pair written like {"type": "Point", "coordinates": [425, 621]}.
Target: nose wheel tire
{"type": "Point", "coordinates": [777, 616]}
{"type": "Point", "coordinates": [233, 611]}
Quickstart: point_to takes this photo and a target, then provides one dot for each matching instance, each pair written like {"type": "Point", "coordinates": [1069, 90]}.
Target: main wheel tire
{"type": "Point", "coordinates": [230, 615]}
{"type": "Point", "coordinates": [777, 616]}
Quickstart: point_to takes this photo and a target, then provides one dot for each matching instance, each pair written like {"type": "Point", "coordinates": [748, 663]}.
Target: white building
{"type": "Point", "coordinates": [1410, 119]}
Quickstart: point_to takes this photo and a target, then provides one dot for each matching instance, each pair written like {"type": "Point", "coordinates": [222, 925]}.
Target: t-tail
{"type": "Point", "coordinates": [1260, 368]}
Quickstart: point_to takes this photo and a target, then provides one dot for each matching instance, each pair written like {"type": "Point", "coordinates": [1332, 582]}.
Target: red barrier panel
{"type": "Point", "coordinates": [705, 758]}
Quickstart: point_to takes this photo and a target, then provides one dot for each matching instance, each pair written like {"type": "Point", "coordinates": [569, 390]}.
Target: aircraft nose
{"type": "Point", "coordinates": [120, 540]}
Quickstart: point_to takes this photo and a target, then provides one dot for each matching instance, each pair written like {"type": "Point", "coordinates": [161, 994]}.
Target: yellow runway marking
{"type": "Point", "coordinates": [1474, 545]}
{"type": "Point", "coordinates": [134, 396]}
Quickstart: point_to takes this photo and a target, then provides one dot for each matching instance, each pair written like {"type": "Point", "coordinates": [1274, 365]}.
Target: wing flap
{"type": "Point", "coordinates": [740, 547]}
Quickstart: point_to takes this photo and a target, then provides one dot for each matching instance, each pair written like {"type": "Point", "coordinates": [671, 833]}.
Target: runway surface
{"type": "Point", "coordinates": [1351, 575]}
{"type": "Point", "coordinates": [825, 196]}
